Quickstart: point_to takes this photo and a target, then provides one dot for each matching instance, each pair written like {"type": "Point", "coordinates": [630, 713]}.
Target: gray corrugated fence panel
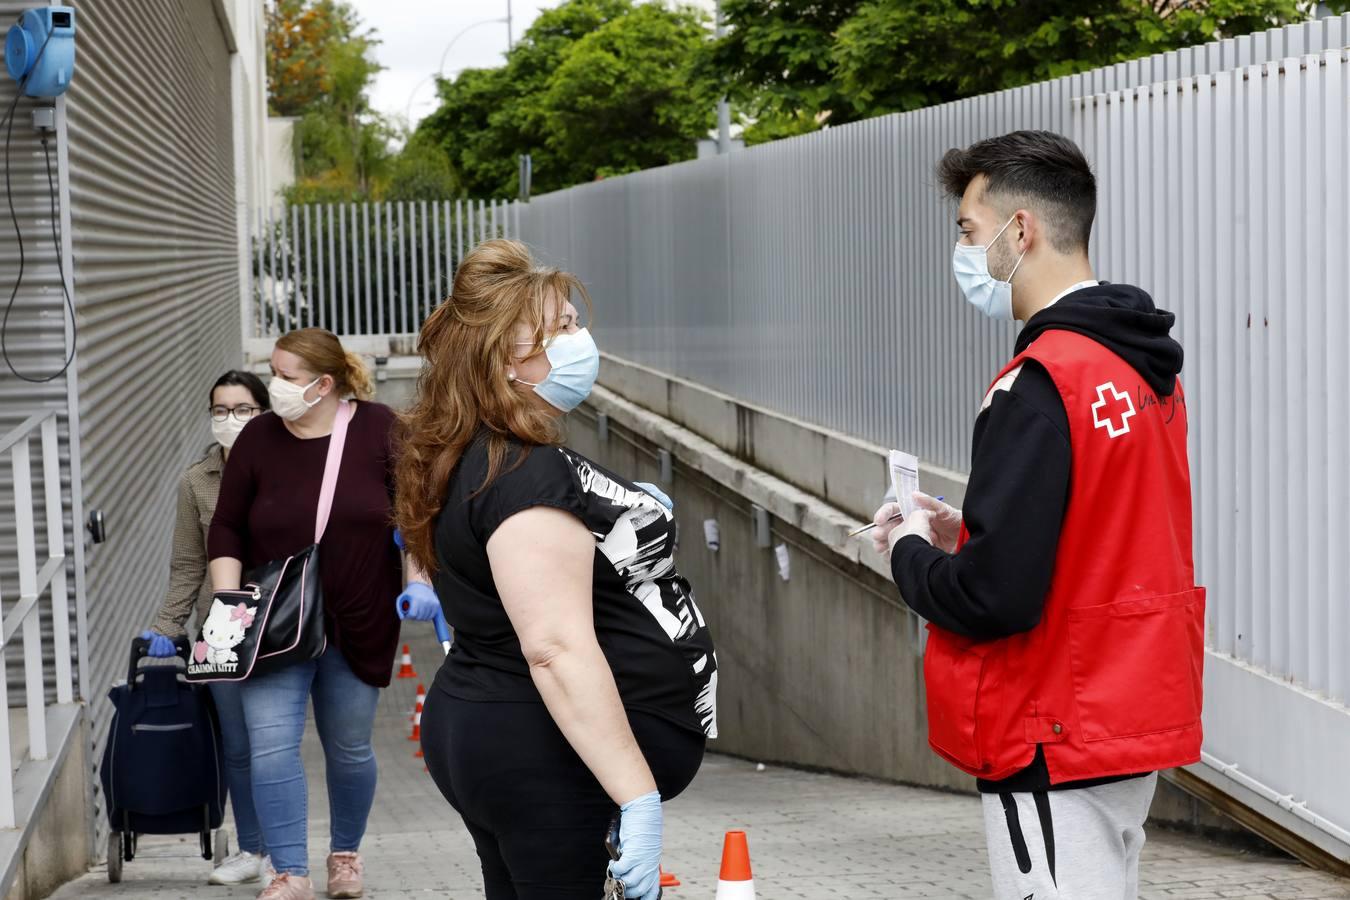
{"type": "Point", "coordinates": [804, 217]}
{"type": "Point", "coordinates": [36, 345]}
{"type": "Point", "coordinates": [156, 266]}
{"type": "Point", "coordinates": [1242, 179]}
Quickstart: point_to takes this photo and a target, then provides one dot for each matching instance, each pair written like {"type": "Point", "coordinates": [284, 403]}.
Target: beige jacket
{"type": "Point", "coordinates": [189, 582]}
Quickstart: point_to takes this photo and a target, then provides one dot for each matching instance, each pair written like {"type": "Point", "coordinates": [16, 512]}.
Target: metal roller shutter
{"type": "Point", "coordinates": [35, 339]}
{"type": "Point", "coordinates": [157, 273]}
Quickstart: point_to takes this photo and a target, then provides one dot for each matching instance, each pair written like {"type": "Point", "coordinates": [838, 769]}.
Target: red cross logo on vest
{"type": "Point", "coordinates": [1106, 413]}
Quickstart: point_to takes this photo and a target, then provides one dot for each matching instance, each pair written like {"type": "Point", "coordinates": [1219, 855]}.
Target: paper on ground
{"type": "Point", "coordinates": [904, 479]}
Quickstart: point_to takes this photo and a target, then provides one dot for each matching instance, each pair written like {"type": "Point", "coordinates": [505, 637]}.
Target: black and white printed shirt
{"type": "Point", "coordinates": [646, 620]}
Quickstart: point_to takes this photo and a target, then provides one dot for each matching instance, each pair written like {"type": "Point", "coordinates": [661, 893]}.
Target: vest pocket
{"type": "Point", "coordinates": [953, 670]}
{"type": "Point", "coordinates": [1137, 664]}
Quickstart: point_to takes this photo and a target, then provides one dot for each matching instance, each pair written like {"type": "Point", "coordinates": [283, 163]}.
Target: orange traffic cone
{"type": "Point", "coordinates": [667, 879]}
{"type": "Point", "coordinates": [406, 670]}
{"type": "Point", "coordinates": [417, 725]}
{"type": "Point", "coordinates": [735, 881]}
{"type": "Point", "coordinates": [421, 698]}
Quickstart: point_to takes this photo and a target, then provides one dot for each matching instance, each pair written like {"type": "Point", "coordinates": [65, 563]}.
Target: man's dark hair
{"type": "Point", "coordinates": [252, 383]}
{"type": "Point", "coordinates": [1040, 170]}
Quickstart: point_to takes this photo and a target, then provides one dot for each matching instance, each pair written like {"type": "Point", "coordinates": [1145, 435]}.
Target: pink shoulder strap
{"type": "Point", "coordinates": [346, 409]}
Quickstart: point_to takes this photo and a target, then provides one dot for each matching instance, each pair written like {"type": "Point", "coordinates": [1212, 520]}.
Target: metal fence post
{"type": "Point", "coordinates": [365, 275]}
{"type": "Point", "coordinates": [56, 551]}
{"type": "Point", "coordinates": [6, 762]}
{"type": "Point", "coordinates": [345, 298]}
{"type": "Point", "coordinates": [27, 607]}
{"type": "Point", "coordinates": [403, 267]}
{"type": "Point", "coordinates": [459, 231]}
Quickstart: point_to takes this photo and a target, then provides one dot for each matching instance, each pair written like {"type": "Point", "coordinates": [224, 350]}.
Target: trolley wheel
{"type": "Point", "coordinates": [222, 850]}
{"type": "Point", "coordinates": [114, 857]}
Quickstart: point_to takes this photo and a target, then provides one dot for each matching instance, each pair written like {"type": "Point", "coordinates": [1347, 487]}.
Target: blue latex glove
{"type": "Point", "coordinates": [418, 602]}
{"type": "Point", "coordinates": [160, 646]}
{"type": "Point", "coordinates": [657, 493]}
{"type": "Point", "coordinates": [639, 862]}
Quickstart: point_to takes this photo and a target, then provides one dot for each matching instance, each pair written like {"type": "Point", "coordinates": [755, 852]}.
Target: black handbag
{"type": "Point", "coordinates": [276, 618]}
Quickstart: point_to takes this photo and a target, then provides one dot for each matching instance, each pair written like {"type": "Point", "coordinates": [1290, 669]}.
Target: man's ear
{"type": "Point", "coordinates": [1028, 229]}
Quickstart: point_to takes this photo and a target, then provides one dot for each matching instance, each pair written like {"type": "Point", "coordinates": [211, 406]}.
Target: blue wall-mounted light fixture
{"type": "Point", "coordinates": [40, 50]}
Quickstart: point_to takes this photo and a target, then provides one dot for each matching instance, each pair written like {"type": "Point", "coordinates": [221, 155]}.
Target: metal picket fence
{"type": "Point", "coordinates": [364, 268]}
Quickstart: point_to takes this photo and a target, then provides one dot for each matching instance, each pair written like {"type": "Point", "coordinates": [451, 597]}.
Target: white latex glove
{"type": "Point", "coordinates": [946, 521]}
{"type": "Point", "coordinates": [884, 526]}
{"type": "Point", "coordinates": [920, 522]}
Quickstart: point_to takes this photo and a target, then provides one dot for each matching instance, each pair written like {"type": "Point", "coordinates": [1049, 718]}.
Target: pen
{"type": "Point", "coordinates": [867, 528]}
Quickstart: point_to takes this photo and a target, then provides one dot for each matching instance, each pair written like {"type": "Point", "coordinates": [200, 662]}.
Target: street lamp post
{"type": "Point", "coordinates": [440, 69]}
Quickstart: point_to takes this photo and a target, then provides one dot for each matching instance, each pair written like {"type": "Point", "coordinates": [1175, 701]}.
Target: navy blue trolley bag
{"type": "Point", "coordinates": [162, 769]}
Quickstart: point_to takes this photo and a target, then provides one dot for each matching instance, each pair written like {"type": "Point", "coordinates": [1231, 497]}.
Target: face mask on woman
{"type": "Point", "coordinates": [288, 400]}
{"type": "Point", "coordinates": [227, 431]}
{"type": "Point", "coordinates": [575, 363]}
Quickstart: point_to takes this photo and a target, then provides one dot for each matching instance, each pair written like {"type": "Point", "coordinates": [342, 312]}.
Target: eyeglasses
{"type": "Point", "coordinates": [241, 413]}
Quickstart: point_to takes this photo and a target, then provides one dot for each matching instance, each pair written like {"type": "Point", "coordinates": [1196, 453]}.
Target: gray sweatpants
{"type": "Point", "coordinates": [1078, 844]}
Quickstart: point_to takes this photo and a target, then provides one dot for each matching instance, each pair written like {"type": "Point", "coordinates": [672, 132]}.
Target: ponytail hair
{"type": "Point", "coordinates": [359, 383]}
{"type": "Point", "coordinates": [324, 354]}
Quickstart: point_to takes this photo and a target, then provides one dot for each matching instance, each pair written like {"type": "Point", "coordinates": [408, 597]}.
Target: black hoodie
{"type": "Point", "coordinates": [1122, 319]}
{"type": "Point", "coordinates": [1019, 482]}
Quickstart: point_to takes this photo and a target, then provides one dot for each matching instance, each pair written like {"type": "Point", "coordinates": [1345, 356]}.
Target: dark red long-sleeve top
{"type": "Point", "coordinates": [269, 496]}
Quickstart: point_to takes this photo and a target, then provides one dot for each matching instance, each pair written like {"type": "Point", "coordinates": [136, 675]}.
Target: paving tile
{"type": "Point", "coordinates": [812, 836]}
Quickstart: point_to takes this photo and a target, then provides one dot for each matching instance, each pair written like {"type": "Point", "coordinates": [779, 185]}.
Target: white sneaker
{"type": "Point", "coordinates": [242, 868]}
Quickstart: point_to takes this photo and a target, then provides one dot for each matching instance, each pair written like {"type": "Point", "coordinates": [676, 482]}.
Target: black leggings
{"type": "Point", "coordinates": [535, 812]}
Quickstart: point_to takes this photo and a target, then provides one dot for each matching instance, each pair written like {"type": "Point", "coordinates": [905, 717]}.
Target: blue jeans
{"type": "Point", "coordinates": [344, 711]}
{"type": "Point", "coordinates": [234, 734]}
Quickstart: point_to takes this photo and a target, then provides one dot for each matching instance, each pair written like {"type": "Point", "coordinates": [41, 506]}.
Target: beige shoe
{"type": "Point", "coordinates": [344, 876]}
{"type": "Point", "coordinates": [288, 887]}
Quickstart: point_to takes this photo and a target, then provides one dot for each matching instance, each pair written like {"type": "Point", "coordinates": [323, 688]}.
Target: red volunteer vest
{"type": "Point", "coordinates": [1109, 681]}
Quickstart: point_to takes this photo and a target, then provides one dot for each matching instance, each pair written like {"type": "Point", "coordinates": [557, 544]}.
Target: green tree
{"type": "Point", "coordinates": [421, 171]}
{"type": "Point", "coordinates": [594, 87]}
{"type": "Point", "coordinates": [811, 62]}
{"type": "Point", "coordinates": [320, 67]}
{"type": "Point", "coordinates": [777, 63]}
{"type": "Point", "coordinates": [302, 36]}
{"type": "Point", "coordinates": [626, 97]}
{"type": "Point", "coordinates": [475, 125]}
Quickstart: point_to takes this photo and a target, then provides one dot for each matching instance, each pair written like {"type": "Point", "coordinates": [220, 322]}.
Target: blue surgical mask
{"type": "Point", "coordinates": [575, 362]}
{"type": "Point", "coordinates": [985, 292]}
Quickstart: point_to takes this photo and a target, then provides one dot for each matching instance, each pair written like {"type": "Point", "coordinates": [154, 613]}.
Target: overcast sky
{"type": "Point", "coordinates": [414, 34]}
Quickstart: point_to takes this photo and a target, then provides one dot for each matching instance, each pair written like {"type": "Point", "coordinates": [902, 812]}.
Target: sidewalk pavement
{"type": "Point", "coordinates": [811, 836]}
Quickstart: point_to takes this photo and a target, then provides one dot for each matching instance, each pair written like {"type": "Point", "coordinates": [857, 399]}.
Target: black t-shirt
{"type": "Point", "coordinates": [647, 623]}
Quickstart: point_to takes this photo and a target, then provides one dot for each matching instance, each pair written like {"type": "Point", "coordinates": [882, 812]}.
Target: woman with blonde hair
{"type": "Point", "coordinates": [269, 499]}
{"type": "Point", "coordinates": [582, 680]}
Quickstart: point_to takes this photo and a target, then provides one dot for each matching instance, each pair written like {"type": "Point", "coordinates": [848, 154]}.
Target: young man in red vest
{"type": "Point", "coordinates": [1066, 632]}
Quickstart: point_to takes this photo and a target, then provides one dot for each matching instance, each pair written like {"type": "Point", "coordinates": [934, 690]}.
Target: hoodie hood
{"type": "Point", "coordinates": [1124, 320]}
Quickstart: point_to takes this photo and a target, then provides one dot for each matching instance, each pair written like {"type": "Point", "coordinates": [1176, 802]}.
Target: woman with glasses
{"type": "Point", "coordinates": [582, 681]}
{"type": "Point", "coordinates": [236, 398]}
{"type": "Point", "coordinates": [268, 504]}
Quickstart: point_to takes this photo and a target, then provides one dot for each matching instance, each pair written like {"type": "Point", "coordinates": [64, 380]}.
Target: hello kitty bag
{"type": "Point", "coordinates": [276, 619]}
